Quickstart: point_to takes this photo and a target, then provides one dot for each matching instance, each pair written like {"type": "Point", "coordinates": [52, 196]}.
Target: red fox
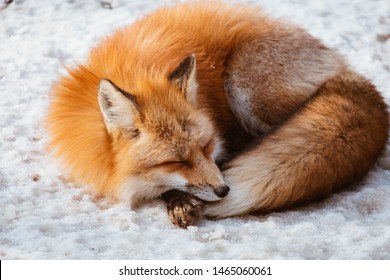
{"type": "Point", "coordinates": [219, 110]}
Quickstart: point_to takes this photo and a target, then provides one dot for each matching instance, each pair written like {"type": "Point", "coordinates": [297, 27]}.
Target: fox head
{"type": "Point", "coordinates": [161, 139]}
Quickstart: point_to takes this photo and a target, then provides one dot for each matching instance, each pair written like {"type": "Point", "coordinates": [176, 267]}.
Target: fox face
{"type": "Point", "coordinates": [160, 140]}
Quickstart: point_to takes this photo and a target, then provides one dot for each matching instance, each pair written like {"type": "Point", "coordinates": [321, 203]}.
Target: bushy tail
{"type": "Point", "coordinates": [329, 143]}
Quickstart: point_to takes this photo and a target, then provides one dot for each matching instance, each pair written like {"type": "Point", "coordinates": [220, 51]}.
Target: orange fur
{"type": "Point", "coordinates": [254, 77]}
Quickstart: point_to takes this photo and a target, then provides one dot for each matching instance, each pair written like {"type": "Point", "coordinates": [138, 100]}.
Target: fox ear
{"type": "Point", "coordinates": [119, 108]}
{"type": "Point", "coordinates": [184, 76]}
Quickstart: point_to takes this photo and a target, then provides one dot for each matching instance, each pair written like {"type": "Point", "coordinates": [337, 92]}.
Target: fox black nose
{"type": "Point", "coordinates": [222, 191]}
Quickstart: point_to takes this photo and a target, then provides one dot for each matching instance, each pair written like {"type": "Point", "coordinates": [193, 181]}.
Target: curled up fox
{"type": "Point", "coordinates": [217, 109]}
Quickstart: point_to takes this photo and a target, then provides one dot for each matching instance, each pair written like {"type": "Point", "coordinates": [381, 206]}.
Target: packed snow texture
{"type": "Point", "coordinates": [45, 216]}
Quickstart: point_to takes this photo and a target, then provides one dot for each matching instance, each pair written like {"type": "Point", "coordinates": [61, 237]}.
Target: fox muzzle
{"type": "Point", "coordinates": [222, 191]}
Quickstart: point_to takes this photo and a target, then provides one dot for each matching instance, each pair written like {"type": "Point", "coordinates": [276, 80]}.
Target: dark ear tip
{"type": "Point", "coordinates": [192, 57]}
{"type": "Point", "coordinates": [189, 60]}
{"type": "Point", "coordinates": [184, 68]}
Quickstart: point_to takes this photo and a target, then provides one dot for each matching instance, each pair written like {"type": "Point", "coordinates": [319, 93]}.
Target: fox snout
{"type": "Point", "coordinates": [208, 193]}
{"type": "Point", "coordinates": [222, 191]}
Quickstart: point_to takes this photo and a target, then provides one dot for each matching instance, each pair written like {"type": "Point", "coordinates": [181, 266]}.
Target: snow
{"type": "Point", "coordinates": [45, 216]}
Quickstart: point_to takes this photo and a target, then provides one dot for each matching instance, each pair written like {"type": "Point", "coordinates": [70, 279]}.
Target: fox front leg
{"type": "Point", "coordinates": [184, 209]}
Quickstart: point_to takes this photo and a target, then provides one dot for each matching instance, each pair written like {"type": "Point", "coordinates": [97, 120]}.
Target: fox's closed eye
{"type": "Point", "coordinates": [173, 163]}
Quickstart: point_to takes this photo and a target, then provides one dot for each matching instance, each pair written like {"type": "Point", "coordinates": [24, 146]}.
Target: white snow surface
{"type": "Point", "coordinates": [45, 216]}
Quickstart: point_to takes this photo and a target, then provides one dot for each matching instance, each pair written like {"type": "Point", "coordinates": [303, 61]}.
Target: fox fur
{"type": "Point", "coordinates": [163, 105]}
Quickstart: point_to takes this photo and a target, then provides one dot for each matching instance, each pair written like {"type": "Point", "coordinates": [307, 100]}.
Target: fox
{"type": "Point", "coordinates": [217, 109]}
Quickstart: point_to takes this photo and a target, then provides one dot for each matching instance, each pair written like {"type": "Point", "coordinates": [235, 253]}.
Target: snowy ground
{"type": "Point", "coordinates": [43, 216]}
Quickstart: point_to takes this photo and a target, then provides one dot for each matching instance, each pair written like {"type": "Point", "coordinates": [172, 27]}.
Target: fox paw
{"type": "Point", "coordinates": [183, 209]}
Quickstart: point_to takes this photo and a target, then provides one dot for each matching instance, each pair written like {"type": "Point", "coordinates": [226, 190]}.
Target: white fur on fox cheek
{"type": "Point", "coordinates": [136, 190]}
{"type": "Point", "coordinates": [174, 181]}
